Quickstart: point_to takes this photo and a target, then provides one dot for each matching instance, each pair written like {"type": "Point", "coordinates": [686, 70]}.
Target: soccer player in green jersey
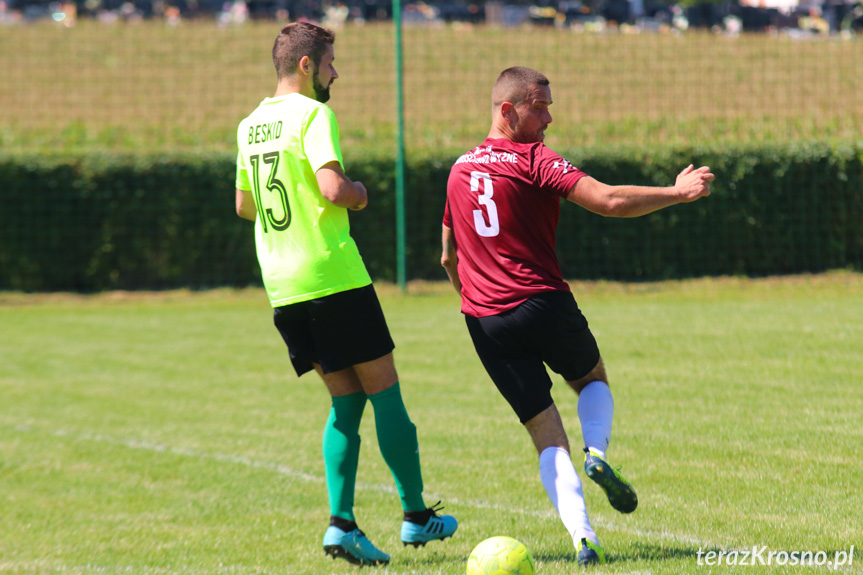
{"type": "Point", "coordinates": [291, 183]}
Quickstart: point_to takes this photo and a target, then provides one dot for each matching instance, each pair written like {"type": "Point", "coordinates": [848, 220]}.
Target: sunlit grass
{"type": "Point", "coordinates": [166, 433]}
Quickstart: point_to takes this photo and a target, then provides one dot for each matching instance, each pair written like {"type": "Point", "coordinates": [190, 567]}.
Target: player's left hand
{"type": "Point", "coordinates": [693, 183]}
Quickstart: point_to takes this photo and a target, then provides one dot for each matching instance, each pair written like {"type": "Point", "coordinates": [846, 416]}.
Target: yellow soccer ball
{"type": "Point", "coordinates": [500, 556]}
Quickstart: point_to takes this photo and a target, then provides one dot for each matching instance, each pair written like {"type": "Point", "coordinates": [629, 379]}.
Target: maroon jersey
{"type": "Point", "coordinates": [503, 205]}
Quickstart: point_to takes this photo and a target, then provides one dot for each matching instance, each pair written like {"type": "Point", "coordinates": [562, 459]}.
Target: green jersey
{"type": "Point", "coordinates": [303, 240]}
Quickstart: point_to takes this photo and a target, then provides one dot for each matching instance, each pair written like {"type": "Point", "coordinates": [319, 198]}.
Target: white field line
{"type": "Point", "coordinates": [287, 471]}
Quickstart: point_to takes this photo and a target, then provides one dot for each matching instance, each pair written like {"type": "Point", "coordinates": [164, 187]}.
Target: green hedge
{"type": "Point", "coordinates": [105, 222]}
{"type": "Point", "coordinates": [98, 222]}
{"type": "Point", "coordinates": [773, 210]}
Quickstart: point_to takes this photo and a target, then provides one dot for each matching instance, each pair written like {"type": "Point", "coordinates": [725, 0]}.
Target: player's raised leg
{"type": "Point", "coordinates": [595, 412]}
{"type": "Point", "coordinates": [397, 438]}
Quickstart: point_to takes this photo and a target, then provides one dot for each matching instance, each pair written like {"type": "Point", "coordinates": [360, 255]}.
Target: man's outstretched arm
{"type": "Point", "coordinates": [634, 201]}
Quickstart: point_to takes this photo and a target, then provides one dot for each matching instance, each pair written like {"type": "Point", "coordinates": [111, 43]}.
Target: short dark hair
{"type": "Point", "coordinates": [514, 85]}
{"type": "Point", "coordinates": [296, 40]}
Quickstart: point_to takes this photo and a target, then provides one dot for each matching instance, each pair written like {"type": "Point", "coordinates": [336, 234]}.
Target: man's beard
{"type": "Point", "coordinates": [322, 94]}
{"type": "Point", "coordinates": [527, 138]}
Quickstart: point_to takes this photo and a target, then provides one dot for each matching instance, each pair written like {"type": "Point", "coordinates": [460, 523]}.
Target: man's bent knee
{"type": "Point", "coordinates": [596, 374]}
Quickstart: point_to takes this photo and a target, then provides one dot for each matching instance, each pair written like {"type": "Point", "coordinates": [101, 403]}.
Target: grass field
{"type": "Point", "coordinates": [164, 433]}
{"type": "Point", "coordinates": [160, 88]}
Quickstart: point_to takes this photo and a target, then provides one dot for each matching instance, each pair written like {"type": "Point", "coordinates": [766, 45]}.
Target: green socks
{"type": "Point", "coordinates": [397, 438]}
{"type": "Point", "coordinates": [342, 452]}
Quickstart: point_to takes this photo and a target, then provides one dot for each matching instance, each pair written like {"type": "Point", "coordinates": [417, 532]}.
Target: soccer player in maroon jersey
{"type": "Point", "coordinates": [499, 233]}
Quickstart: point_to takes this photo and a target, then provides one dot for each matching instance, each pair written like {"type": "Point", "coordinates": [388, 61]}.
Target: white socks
{"type": "Point", "coordinates": [561, 482]}
{"type": "Point", "coordinates": [595, 411]}
{"type": "Point", "coordinates": [563, 487]}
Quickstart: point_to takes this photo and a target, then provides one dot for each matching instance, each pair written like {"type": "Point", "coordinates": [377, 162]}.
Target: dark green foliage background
{"type": "Point", "coordinates": [97, 222]}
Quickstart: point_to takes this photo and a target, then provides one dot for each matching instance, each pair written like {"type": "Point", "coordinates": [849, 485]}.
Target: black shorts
{"type": "Point", "coordinates": [335, 331]}
{"type": "Point", "coordinates": [514, 347]}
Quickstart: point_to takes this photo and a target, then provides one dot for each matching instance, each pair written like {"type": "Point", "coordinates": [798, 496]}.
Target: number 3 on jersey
{"type": "Point", "coordinates": [491, 229]}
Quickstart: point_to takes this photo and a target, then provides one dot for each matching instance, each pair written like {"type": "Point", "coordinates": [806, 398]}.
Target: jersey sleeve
{"type": "Point", "coordinates": [321, 138]}
{"type": "Point", "coordinates": [447, 217]}
{"type": "Point", "coordinates": [242, 182]}
{"type": "Point", "coordinates": [554, 174]}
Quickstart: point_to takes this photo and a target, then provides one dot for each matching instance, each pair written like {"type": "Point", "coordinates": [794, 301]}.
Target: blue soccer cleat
{"type": "Point", "coordinates": [353, 546]}
{"type": "Point", "coordinates": [589, 553]}
{"type": "Point", "coordinates": [426, 526]}
{"type": "Point", "coordinates": [620, 493]}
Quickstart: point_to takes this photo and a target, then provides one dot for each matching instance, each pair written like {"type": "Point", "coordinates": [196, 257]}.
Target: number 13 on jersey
{"type": "Point", "coordinates": [481, 182]}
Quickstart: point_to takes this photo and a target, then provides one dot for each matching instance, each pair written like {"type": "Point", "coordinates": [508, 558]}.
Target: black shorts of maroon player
{"type": "Point", "coordinates": [335, 331]}
{"type": "Point", "coordinates": [514, 347]}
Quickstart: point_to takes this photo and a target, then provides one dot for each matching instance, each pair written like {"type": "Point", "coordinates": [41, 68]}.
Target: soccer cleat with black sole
{"type": "Point", "coordinates": [589, 553]}
{"type": "Point", "coordinates": [428, 527]}
{"type": "Point", "coordinates": [353, 546]}
{"type": "Point", "coordinates": [620, 493]}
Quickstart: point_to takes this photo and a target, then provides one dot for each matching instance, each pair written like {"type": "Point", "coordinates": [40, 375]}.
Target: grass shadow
{"type": "Point", "coordinates": [636, 552]}
{"type": "Point", "coordinates": [639, 551]}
